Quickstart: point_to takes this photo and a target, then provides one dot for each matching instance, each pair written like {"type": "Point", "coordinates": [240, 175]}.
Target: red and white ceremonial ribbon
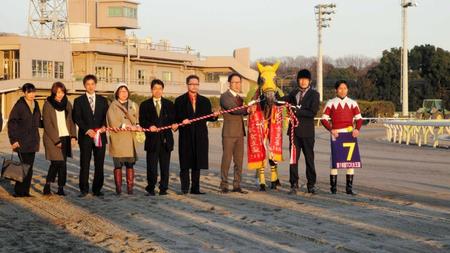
{"type": "Point", "coordinates": [98, 139]}
{"type": "Point", "coordinates": [294, 123]}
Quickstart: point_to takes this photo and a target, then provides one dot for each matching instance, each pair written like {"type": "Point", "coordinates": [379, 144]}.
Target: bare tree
{"type": "Point", "coordinates": [358, 61]}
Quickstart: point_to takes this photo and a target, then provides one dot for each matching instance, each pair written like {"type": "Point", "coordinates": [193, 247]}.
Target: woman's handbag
{"type": "Point", "coordinates": [14, 170]}
{"type": "Point", "coordinates": [140, 136]}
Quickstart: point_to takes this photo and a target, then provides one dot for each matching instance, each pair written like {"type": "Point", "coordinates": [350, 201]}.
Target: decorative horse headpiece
{"type": "Point", "coordinates": [267, 76]}
{"type": "Point", "coordinates": [266, 81]}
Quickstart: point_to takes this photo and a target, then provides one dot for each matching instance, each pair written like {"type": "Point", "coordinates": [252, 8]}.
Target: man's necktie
{"type": "Point", "coordinates": [239, 100]}
{"type": "Point", "coordinates": [194, 101]}
{"type": "Point", "coordinates": [91, 103]}
{"type": "Point", "coordinates": [158, 108]}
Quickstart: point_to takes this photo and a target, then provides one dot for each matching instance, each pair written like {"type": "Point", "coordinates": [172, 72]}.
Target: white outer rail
{"type": "Point", "coordinates": [398, 131]}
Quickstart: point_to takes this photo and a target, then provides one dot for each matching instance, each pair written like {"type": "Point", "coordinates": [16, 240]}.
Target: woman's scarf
{"type": "Point", "coordinates": [59, 106]}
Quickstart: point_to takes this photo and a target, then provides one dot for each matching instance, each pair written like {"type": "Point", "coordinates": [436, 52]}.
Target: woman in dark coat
{"type": "Point", "coordinates": [59, 135]}
{"type": "Point", "coordinates": [23, 132]}
{"type": "Point", "coordinates": [193, 139]}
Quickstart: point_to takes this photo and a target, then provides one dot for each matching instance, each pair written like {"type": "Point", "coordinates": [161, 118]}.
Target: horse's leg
{"type": "Point", "coordinates": [261, 179]}
{"type": "Point", "coordinates": [274, 179]}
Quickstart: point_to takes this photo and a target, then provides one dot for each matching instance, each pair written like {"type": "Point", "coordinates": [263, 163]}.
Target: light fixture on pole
{"type": "Point", "coordinates": [323, 17]}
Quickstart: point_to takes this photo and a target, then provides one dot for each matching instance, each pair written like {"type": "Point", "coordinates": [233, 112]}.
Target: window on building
{"type": "Point", "coordinates": [42, 69]}
{"type": "Point", "coordinates": [47, 69]}
{"type": "Point", "coordinates": [36, 67]}
{"type": "Point", "coordinates": [115, 11]}
{"type": "Point", "coordinates": [130, 12]}
{"type": "Point", "coordinates": [141, 76]}
{"type": "Point", "coordinates": [213, 77]}
{"type": "Point", "coordinates": [59, 70]}
{"type": "Point", "coordinates": [167, 76]}
{"type": "Point", "coordinates": [9, 64]}
{"type": "Point", "coordinates": [104, 73]}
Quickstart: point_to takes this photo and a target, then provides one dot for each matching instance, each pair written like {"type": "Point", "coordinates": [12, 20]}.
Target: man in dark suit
{"type": "Point", "coordinates": [153, 113]}
{"type": "Point", "coordinates": [308, 101]}
{"type": "Point", "coordinates": [89, 113]}
{"type": "Point", "coordinates": [233, 133]}
{"type": "Point", "coordinates": [193, 139]}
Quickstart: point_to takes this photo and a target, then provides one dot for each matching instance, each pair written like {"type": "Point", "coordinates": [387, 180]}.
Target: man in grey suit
{"type": "Point", "coordinates": [233, 133]}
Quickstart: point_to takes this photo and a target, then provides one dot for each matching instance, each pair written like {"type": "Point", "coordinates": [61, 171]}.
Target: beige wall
{"type": "Point", "coordinates": [86, 57]}
{"type": "Point", "coordinates": [103, 28]}
{"type": "Point", "coordinates": [104, 21]}
{"type": "Point", "coordinates": [39, 49]}
{"type": "Point", "coordinates": [50, 50]}
{"type": "Point", "coordinates": [117, 63]}
{"type": "Point", "coordinates": [86, 62]}
{"type": "Point", "coordinates": [10, 99]}
{"type": "Point", "coordinates": [83, 64]}
{"type": "Point", "coordinates": [242, 55]}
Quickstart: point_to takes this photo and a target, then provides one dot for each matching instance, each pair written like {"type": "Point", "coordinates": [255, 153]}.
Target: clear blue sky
{"type": "Point", "coordinates": [276, 28]}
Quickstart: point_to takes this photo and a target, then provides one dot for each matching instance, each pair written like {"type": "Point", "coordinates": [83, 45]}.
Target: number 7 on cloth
{"type": "Point", "coordinates": [345, 152]}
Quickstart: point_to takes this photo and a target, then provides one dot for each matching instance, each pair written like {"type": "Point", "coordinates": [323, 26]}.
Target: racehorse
{"type": "Point", "coordinates": [265, 127]}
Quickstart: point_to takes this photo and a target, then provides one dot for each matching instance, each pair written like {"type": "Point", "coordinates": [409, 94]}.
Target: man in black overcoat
{"type": "Point", "coordinates": [193, 138]}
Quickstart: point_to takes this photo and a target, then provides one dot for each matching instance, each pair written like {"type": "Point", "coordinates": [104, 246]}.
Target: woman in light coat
{"type": "Point", "coordinates": [59, 135]}
{"type": "Point", "coordinates": [123, 114]}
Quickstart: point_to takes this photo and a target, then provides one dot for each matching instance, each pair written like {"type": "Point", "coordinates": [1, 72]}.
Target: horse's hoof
{"type": "Point", "coordinates": [278, 182]}
{"type": "Point", "coordinates": [273, 185]}
{"type": "Point", "coordinates": [262, 187]}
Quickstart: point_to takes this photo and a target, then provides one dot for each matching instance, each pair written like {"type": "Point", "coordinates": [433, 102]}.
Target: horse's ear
{"type": "Point", "coordinates": [260, 67]}
{"type": "Point", "coordinates": [276, 65]}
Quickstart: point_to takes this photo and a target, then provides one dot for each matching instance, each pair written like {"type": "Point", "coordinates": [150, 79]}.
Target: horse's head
{"type": "Point", "coordinates": [266, 81]}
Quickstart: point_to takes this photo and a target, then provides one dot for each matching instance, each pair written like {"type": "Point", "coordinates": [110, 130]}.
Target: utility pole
{"type": "Point", "coordinates": [323, 17]}
{"type": "Point", "coordinates": [404, 60]}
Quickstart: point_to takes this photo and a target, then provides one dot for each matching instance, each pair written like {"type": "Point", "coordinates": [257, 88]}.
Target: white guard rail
{"type": "Point", "coordinates": [399, 131]}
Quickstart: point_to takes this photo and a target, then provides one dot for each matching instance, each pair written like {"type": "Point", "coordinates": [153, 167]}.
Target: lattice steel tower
{"type": "Point", "coordinates": [48, 19]}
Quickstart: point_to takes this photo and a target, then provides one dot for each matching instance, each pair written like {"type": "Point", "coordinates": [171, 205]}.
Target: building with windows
{"type": "Point", "coordinates": [100, 43]}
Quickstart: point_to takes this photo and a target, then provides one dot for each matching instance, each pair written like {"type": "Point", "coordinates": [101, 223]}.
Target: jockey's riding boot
{"type": "Point", "coordinates": [333, 184]}
{"type": "Point", "coordinates": [349, 185]}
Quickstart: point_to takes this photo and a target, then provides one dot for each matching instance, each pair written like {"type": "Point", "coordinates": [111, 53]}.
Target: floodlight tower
{"type": "Point", "coordinates": [48, 19]}
{"type": "Point", "coordinates": [323, 18]}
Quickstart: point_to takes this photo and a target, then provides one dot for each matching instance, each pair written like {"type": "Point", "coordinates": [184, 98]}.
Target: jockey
{"type": "Point", "coordinates": [342, 112]}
